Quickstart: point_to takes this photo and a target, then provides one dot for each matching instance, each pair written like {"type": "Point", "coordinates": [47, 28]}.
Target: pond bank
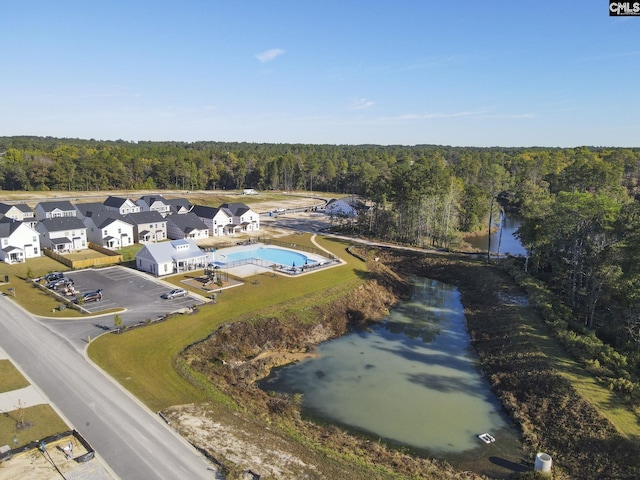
{"type": "Point", "coordinates": [551, 416]}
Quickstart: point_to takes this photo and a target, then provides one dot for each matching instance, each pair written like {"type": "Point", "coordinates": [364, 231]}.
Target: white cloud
{"type": "Point", "coordinates": [360, 104]}
{"type": "Point", "coordinates": [269, 55]}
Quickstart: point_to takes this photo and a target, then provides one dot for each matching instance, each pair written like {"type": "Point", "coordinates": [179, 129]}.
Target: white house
{"type": "Point", "coordinates": [187, 225]}
{"type": "Point", "coordinates": [148, 227]}
{"type": "Point", "coordinates": [18, 241]}
{"type": "Point", "coordinates": [120, 205]}
{"type": "Point", "coordinates": [171, 257]}
{"type": "Point", "coordinates": [244, 219]}
{"type": "Point", "coordinates": [62, 235]}
{"type": "Point", "coordinates": [107, 229]}
{"type": "Point", "coordinates": [218, 220]}
{"type": "Point", "coordinates": [55, 209]}
{"type": "Point", "coordinates": [154, 203]}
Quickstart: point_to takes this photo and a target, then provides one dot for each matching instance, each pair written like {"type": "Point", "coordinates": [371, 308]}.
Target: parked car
{"type": "Point", "coordinates": [50, 277]}
{"type": "Point", "coordinates": [176, 292]}
{"type": "Point", "coordinates": [90, 296]}
{"type": "Point", "coordinates": [61, 282]}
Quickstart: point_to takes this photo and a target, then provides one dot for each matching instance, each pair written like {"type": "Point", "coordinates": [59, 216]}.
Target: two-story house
{"type": "Point", "coordinates": [54, 209]}
{"type": "Point", "coordinates": [187, 225]}
{"type": "Point", "coordinates": [154, 203]}
{"type": "Point", "coordinates": [244, 219]}
{"type": "Point", "coordinates": [18, 241]}
{"type": "Point", "coordinates": [62, 234]}
{"type": "Point", "coordinates": [19, 211]}
{"type": "Point", "coordinates": [121, 205]}
{"type": "Point", "coordinates": [148, 227]}
{"type": "Point", "coordinates": [218, 220]}
{"type": "Point", "coordinates": [108, 229]}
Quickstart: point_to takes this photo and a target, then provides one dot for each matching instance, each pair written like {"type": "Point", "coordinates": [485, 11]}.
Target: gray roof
{"type": "Point", "coordinates": [187, 222]}
{"type": "Point", "coordinates": [174, 250]}
{"type": "Point", "coordinates": [104, 217]}
{"type": "Point", "coordinates": [177, 203]}
{"type": "Point", "coordinates": [205, 212]}
{"type": "Point", "coordinates": [143, 217]}
{"type": "Point", "coordinates": [88, 208]}
{"type": "Point", "coordinates": [62, 223]}
{"type": "Point", "coordinates": [151, 199]}
{"type": "Point", "coordinates": [63, 205]}
{"type": "Point", "coordinates": [8, 226]}
{"type": "Point", "coordinates": [116, 202]}
{"type": "Point", "coordinates": [236, 208]}
{"type": "Point", "coordinates": [23, 207]}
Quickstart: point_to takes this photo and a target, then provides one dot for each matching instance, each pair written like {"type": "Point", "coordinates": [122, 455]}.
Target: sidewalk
{"type": "Point", "coordinates": [22, 398]}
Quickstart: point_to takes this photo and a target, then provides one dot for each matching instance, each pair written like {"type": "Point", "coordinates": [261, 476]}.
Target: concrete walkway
{"type": "Point", "coordinates": [21, 398]}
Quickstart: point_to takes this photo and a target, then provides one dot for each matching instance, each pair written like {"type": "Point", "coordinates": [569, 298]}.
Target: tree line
{"type": "Point", "coordinates": [581, 218]}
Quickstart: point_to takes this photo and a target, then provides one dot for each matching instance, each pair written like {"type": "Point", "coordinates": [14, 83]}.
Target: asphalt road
{"type": "Point", "coordinates": [133, 441]}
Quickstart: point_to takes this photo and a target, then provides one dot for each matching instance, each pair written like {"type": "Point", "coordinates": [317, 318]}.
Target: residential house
{"type": "Point", "coordinates": [18, 241]}
{"type": "Point", "coordinates": [187, 225]}
{"type": "Point", "coordinates": [218, 220]}
{"type": "Point", "coordinates": [54, 209]}
{"type": "Point", "coordinates": [121, 205]}
{"type": "Point", "coordinates": [179, 205]}
{"type": "Point", "coordinates": [19, 211]}
{"type": "Point", "coordinates": [154, 203]}
{"type": "Point", "coordinates": [148, 227]}
{"type": "Point", "coordinates": [244, 219]}
{"type": "Point", "coordinates": [108, 229]}
{"type": "Point", "coordinates": [171, 257]}
{"type": "Point", "coordinates": [62, 234]}
{"type": "Point", "coordinates": [86, 209]}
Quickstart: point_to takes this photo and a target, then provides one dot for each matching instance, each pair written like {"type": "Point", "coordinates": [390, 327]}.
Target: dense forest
{"type": "Point", "coordinates": [579, 205]}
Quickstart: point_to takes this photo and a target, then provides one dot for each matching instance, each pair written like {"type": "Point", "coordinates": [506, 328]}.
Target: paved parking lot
{"type": "Point", "coordinates": [124, 288]}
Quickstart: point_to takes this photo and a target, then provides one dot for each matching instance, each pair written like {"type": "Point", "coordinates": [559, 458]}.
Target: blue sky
{"type": "Point", "coordinates": [464, 73]}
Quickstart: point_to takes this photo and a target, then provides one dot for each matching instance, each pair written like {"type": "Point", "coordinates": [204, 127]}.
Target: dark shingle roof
{"type": "Point", "coordinates": [143, 217]}
{"type": "Point", "coordinates": [62, 223]}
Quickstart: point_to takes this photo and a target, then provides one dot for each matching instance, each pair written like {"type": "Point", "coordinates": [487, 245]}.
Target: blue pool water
{"type": "Point", "coordinates": [269, 254]}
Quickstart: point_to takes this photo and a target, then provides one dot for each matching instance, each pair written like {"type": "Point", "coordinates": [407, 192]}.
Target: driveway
{"type": "Point", "coordinates": [138, 294]}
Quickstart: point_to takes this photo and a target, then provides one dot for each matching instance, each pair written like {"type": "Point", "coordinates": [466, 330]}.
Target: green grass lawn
{"type": "Point", "coordinates": [143, 359]}
{"type": "Point", "coordinates": [43, 421]}
{"type": "Point", "coordinates": [10, 377]}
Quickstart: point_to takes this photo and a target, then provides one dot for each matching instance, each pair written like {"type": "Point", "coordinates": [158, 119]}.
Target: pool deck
{"type": "Point", "coordinates": [249, 270]}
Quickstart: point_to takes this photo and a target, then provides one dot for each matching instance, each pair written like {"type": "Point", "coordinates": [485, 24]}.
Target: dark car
{"type": "Point", "coordinates": [90, 296]}
{"type": "Point", "coordinates": [61, 282]}
{"type": "Point", "coordinates": [176, 292]}
{"type": "Point", "coordinates": [50, 277]}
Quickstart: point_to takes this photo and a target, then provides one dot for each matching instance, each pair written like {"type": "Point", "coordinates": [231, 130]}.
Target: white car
{"type": "Point", "coordinates": [176, 292]}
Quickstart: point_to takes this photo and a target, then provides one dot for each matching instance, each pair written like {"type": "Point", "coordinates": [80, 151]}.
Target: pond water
{"type": "Point", "coordinates": [503, 243]}
{"type": "Point", "coordinates": [413, 380]}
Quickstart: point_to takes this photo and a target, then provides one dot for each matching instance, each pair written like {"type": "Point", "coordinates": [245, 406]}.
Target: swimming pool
{"type": "Point", "coordinates": [279, 256]}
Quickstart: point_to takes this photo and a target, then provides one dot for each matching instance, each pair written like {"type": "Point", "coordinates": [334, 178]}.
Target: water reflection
{"type": "Point", "coordinates": [503, 240]}
{"type": "Point", "coordinates": [412, 380]}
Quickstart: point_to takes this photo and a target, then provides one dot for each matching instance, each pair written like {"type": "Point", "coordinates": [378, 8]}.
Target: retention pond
{"type": "Point", "coordinates": [412, 381]}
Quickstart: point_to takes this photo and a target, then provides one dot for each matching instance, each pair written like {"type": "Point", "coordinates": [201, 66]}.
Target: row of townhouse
{"type": "Point", "coordinates": [115, 223]}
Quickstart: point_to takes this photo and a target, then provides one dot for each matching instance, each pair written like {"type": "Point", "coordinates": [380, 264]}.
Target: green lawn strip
{"type": "Point", "coordinates": [606, 402]}
{"type": "Point", "coordinates": [10, 377]}
{"type": "Point", "coordinates": [43, 421]}
{"type": "Point", "coordinates": [143, 359]}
